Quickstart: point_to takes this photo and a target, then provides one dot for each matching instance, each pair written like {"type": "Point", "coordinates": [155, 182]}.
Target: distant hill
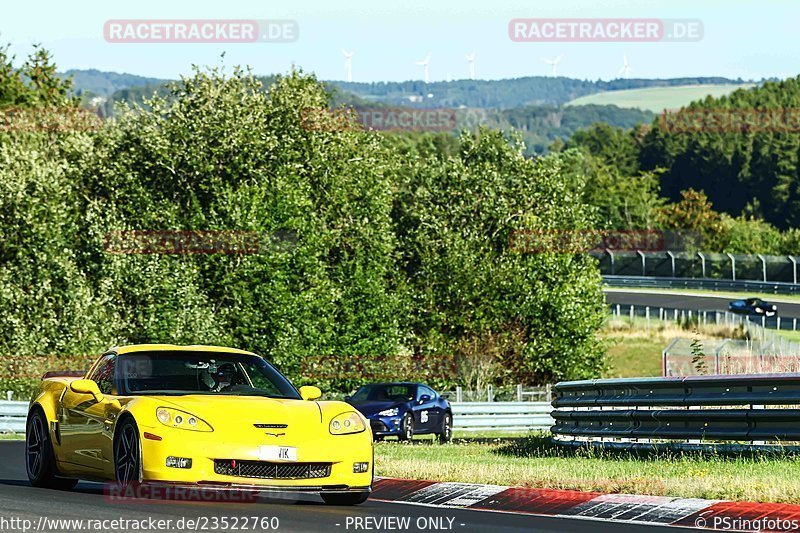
{"type": "Point", "coordinates": [489, 94]}
{"type": "Point", "coordinates": [100, 83]}
{"type": "Point", "coordinates": [656, 99]}
{"type": "Point", "coordinates": [505, 94]}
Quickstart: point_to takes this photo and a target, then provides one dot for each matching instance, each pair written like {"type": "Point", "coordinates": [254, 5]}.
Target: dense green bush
{"type": "Point", "coordinates": [366, 252]}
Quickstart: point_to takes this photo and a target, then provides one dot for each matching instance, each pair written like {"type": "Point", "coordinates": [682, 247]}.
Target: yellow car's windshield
{"type": "Point", "coordinates": [190, 372]}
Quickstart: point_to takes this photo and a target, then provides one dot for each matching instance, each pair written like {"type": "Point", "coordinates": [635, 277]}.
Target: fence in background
{"type": "Point", "coordinates": [699, 265]}
{"type": "Point", "coordinates": [693, 410]}
{"type": "Point", "coordinates": [501, 416]}
{"type": "Point", "coordinates": [13, 416]}
{"type": "Point", "coordinates": [757, 326]}
{"type": "Point", "coordinates": [469, 416]}
{"type": "Point", "coordinates": [519, 393]}
{"type": "Point", "coordinates": [640, 282]}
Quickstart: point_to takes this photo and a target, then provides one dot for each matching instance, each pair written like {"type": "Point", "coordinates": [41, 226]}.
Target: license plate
{"type": "Point", "coordinates": [277, 453]}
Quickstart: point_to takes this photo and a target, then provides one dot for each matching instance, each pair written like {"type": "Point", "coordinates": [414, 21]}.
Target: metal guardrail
{"type": "Point", "coordinates": [13, 416]}
{"type": "Point", "coordinates": [470, 416]}
{"type": "Point", "coordinates": [696, 408]}
{"type": "Point", "coordinates": [774, 287]}
{"type": "Point", "coordinates": [505, 416]}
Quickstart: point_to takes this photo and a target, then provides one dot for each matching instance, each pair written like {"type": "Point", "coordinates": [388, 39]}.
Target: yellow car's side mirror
{"type": "Point", "coordinates": [310, 393]}
{"type": "Point", "coordinates": [87, 386]}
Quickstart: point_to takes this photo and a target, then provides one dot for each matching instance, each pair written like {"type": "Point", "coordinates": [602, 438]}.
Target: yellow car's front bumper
{"type": "Point", "coordinates": [204, 448]}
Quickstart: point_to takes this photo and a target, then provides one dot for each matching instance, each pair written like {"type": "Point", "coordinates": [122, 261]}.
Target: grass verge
{"type": "Point", "coordinates": [635, 351]}
{"type": "Point", "coordinates": [533, 461]}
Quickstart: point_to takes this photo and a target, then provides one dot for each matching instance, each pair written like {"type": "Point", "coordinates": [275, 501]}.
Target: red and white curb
{"type": "Point", "coordinates": [661, 510]}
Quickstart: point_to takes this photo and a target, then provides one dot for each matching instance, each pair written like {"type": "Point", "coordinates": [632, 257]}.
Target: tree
{"type": "Point", "coordinates": [536, 312]}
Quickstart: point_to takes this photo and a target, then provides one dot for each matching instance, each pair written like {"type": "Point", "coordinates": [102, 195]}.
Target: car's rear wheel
{"type": "Point", "coordinates": [40, 461]}
{"type": "Point", "coordinates": [446, 432]}
{"type": "Point", "coordinates": [407, 428]}
{"type": "Point", "coordinates": [127, 455]}
{"type": "Point", "coordinates": [345, 498]}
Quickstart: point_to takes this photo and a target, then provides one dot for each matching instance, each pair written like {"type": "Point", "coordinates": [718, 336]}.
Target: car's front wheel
{"type": "Point", "coordinates": [345, 498]}
{"type": "Point", "coordinates": [407, 428]}
{"type": "Point", "coordinates": [40, 461]}
{"type": "Point", "coordinates": [127, 454]}
{"type": "Point", "coordinates": [446, 431]}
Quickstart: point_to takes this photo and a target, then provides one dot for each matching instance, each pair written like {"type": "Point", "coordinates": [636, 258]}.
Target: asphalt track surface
{"type": "Point", "coordinates": [688, 301]}
{"type": "Point", "coordinates": [87, 501]}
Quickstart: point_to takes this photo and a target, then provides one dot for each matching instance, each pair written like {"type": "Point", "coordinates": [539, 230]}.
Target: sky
{"type": "Point", "coordinates": [741, 39]}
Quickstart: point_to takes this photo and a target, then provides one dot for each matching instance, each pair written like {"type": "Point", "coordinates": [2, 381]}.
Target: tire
{"type": "Point", "coordinates": [446, 433]}
{"type": "Point", "coordinates": [40, 462]}
{"type": "Point", "coordinates": [127, 454]}
{"type": "Point", "coordinates": [345, 498]}
{"type": "Point", "coordinates": [407, 428]}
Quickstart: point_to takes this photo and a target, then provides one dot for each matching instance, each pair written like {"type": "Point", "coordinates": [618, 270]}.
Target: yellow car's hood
{"type": "Point", "coordinates": [240, 413]}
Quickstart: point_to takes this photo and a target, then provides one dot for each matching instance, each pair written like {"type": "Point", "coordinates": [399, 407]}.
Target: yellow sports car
{"type": "Point", "coordinates": [204, 416]}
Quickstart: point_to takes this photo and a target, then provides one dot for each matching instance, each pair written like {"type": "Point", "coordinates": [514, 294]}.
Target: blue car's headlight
{"type": "Point", "coordinates": [394, 411]}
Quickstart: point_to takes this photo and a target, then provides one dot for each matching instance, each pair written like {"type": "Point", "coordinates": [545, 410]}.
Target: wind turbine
{"type": "Point", "coordinates": [626, 68]}
{"type": "Point", "coordinates": [424, 64]}
{"type": "Point", "coordinates": [553, 63]}
{"type": "Point", "coordinates": [471, 60]}
{"type": "Point", "coordinates": [348, 63]}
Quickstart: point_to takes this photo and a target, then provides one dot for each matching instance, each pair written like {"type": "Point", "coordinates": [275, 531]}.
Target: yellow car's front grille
{"type": "Point", "coordinates": [268, 470]}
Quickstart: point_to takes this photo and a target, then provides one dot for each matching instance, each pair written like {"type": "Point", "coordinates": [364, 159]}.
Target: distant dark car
{"type": "Point", "coordinates": [753, 306]}
{"type": "Point", "coordinates": [404, 410]}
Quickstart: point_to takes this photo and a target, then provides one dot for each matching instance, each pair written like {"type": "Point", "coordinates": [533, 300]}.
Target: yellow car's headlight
{"type": "Point", "coordinates": [175, 418]}
{"type": "Point", "coordinates": [349, 422]}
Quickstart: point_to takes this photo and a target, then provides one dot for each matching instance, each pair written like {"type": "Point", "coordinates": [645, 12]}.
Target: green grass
{"type": "Point", "coordinates": [635, 351]}
{"type": "Point", "coordinates": [535, 462]}
{"type": "Point", "coordinates": [656, 99]}
{"type": "Point", "coordinates": [634, 357]}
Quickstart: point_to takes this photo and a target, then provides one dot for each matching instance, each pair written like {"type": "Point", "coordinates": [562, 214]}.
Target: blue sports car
{"type": "Point", "coordinates": [404, 410]}
{"type": "Point", "coordinates": [753, 306]}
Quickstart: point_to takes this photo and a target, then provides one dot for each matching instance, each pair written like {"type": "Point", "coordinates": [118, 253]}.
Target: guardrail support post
{"type": "Point", "coordinates": [489, 393]}
{"type": "Point", "coordinates": [458, 394]}
{"type": "Point", "coordinates": [672, 262]}
{"type": "Point", "coordinates": [733, 266]}
{"type": "Point", "coordinates": [519, 392]}
{"type": "Point", "coordinates": [9, 395]}
{"type": "Point", "coordinates": [702, 265]}
{"type": "Point", "coordinates": [549, 393]}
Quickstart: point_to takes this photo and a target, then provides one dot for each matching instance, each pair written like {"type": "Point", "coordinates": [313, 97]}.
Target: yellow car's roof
{"type": "Point", "coordinates": [131, 348]}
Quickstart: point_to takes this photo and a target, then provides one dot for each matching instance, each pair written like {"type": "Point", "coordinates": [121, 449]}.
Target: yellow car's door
{"type": "Point", "coordinates": [86, 426]}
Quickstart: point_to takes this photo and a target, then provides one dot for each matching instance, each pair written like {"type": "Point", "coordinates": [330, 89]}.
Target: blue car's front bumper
{"type": "Point", "coordinates": [385, 426]}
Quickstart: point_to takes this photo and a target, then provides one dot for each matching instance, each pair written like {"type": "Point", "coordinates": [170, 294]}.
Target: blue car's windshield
{"type": "Point", "coordinates": [384, 393]}
{"type": "Point", "coordinates": [189, 372]}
